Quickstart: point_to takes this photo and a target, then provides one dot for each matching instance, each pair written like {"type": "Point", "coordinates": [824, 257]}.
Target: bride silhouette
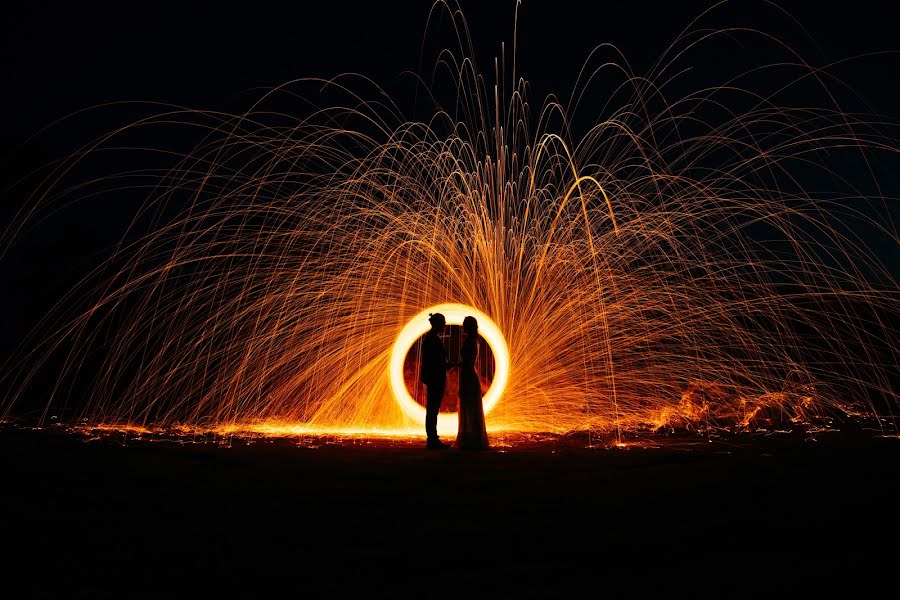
{"type": "Point", "coordinates": [472, 432]}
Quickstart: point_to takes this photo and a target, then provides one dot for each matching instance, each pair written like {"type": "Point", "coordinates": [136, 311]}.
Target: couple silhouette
{"type": "Point", "coordinates": [472, 433]}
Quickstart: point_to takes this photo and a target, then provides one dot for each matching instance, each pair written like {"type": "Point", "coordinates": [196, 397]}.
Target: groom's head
{"type": "Point", "coordinates": [437, 322]}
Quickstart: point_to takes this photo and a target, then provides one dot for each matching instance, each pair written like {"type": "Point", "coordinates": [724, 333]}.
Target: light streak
{"type": "Point", "coordinates": [666, 267]}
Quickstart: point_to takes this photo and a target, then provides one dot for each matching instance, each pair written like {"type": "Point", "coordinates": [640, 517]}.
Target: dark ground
{"type": "Point", "coordinates": [778, 513]}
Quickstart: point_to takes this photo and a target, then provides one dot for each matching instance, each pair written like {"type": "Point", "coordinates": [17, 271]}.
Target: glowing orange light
{"type": "Point", "coordinates": [621, 259]}
{"type": "Point", "coordinates": [416, 328]}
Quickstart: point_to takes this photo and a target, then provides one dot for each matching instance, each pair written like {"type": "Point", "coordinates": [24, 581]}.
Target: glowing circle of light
{"type": "Point", "coordinates": [419, 326]}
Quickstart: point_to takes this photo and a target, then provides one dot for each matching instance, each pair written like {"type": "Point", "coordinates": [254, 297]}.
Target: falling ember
{"type": "Point", "coordinates": [667, 265]}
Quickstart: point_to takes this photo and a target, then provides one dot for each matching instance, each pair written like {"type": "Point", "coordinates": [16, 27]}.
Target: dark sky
{"type": "Point", "coordinates": [59, 58]}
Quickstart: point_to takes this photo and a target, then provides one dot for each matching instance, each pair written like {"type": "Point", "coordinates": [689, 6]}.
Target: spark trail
{"type": "Point", "coordinates": [670, 263]}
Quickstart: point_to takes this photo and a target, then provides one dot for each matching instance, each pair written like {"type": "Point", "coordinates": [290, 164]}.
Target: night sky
{"type": "Point", "coordinates": [58, 59]}
{"type": "Point", "coordinates": [61, 58]}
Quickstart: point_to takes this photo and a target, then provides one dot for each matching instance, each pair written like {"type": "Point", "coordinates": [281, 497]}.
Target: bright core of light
{"type": "Point", "coordinates": [416, 328]}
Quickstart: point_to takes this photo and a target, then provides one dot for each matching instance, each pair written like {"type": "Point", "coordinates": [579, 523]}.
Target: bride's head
{"type": "Point", "coordinates": [470, 325]}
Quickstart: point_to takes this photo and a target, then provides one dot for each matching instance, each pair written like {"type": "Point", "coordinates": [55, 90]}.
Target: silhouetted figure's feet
{"type": "Point", "coordinates": [437, 445]}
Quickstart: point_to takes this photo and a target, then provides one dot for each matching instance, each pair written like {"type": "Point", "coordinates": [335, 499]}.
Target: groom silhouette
{"type": "Point", "coordinates": [434, 376]}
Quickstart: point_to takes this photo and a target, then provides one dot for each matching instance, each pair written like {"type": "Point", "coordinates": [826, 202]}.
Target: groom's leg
{"type": "Point", "coordinates": [432, 407]}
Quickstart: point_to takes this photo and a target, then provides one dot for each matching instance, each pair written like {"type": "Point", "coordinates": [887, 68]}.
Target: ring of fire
{"type": "Point", "coordinates": [419, 326]}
